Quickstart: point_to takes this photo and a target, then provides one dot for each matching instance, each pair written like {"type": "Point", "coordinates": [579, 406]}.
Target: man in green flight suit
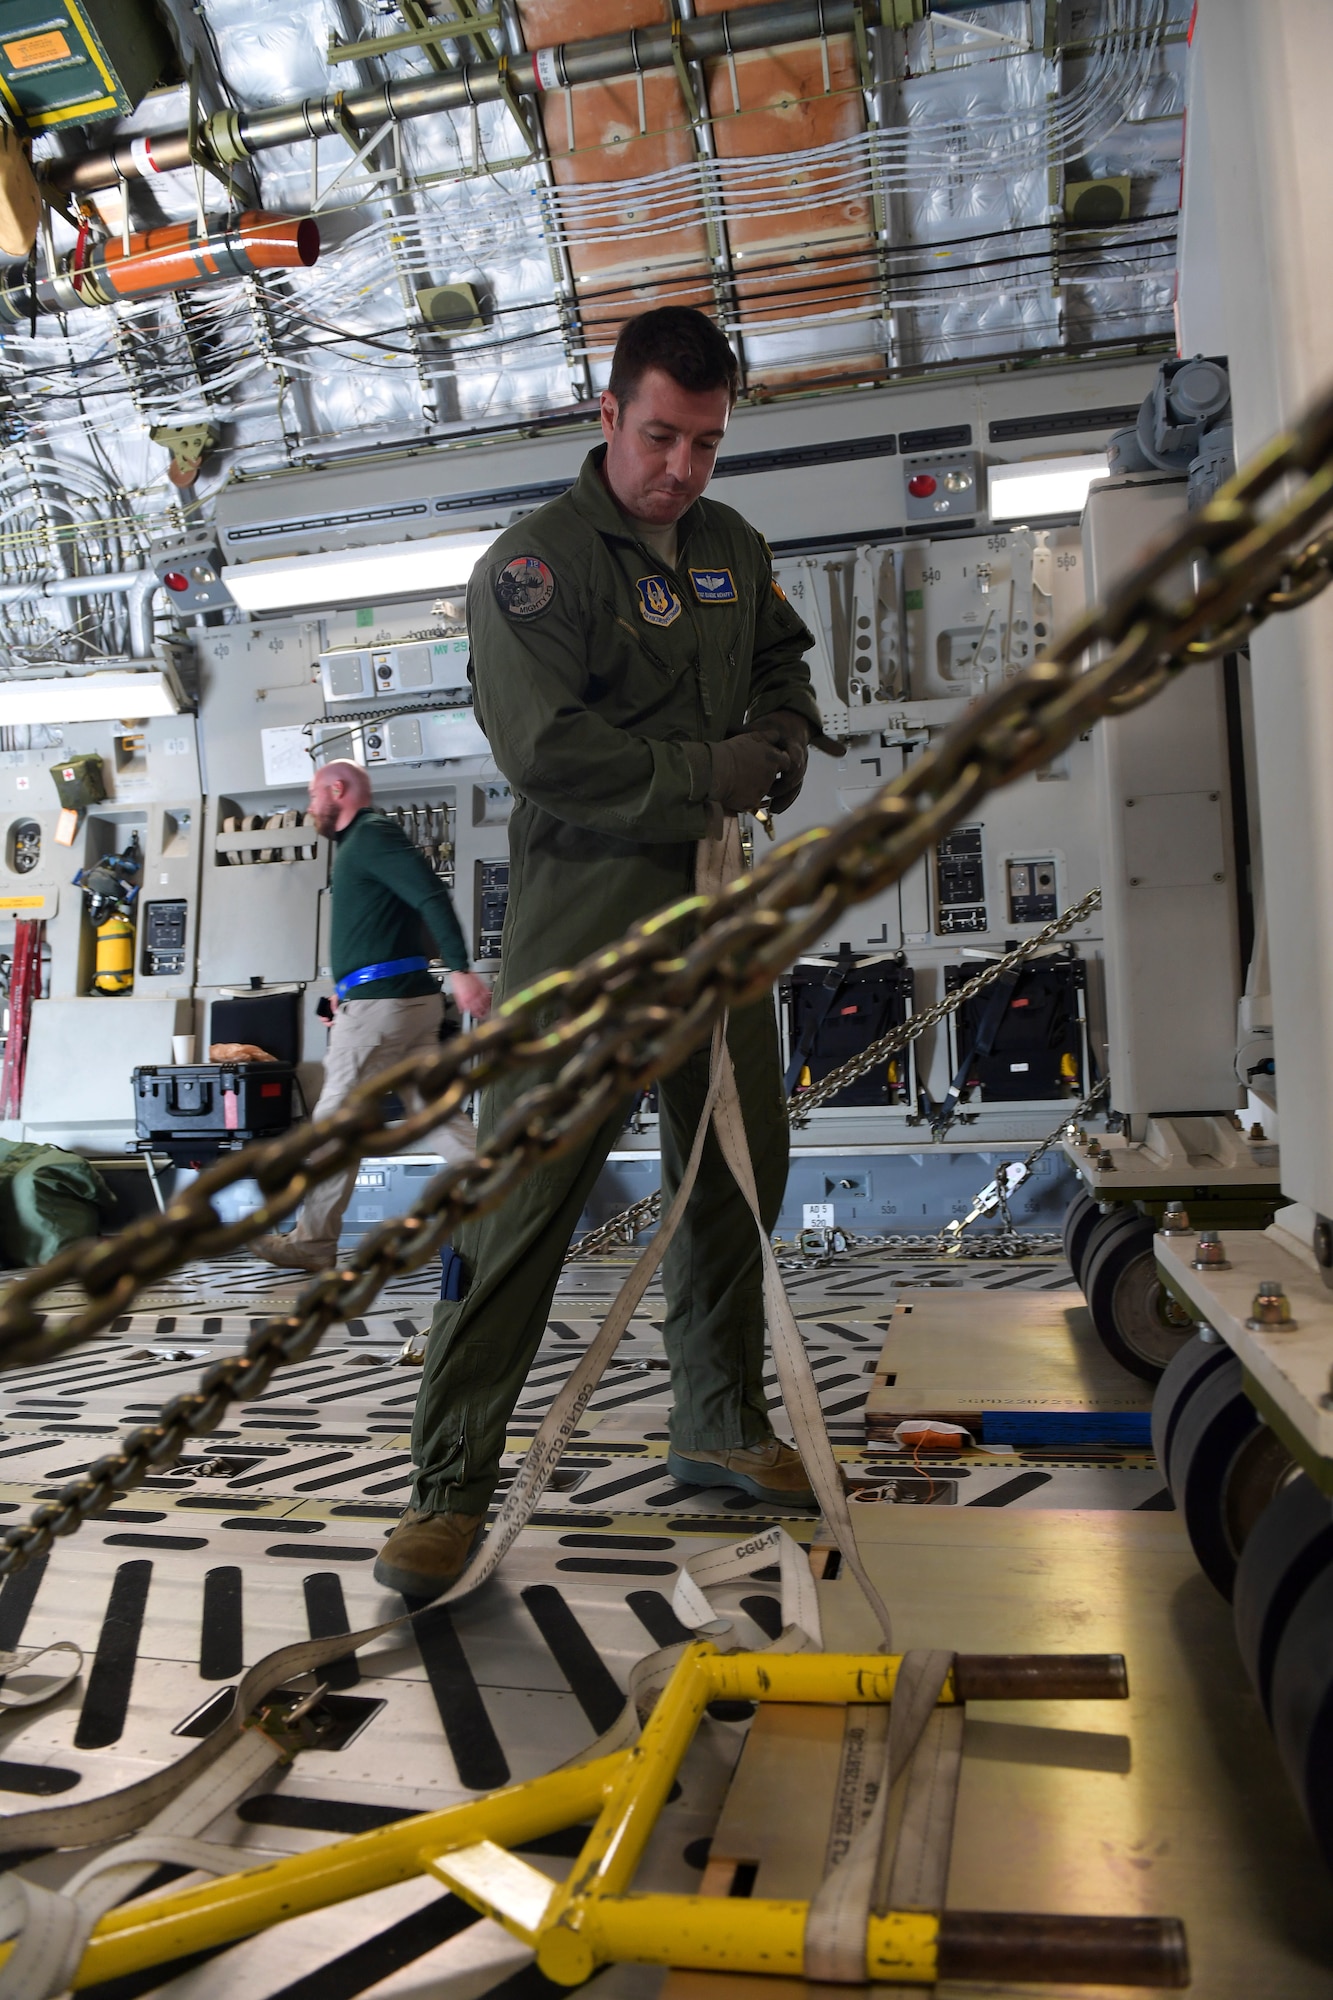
{"type": "Point", "coordinates": [638, 673]}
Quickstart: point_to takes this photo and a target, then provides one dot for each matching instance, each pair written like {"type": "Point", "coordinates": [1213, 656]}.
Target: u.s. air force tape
{"type": "Point", "coordinates": [524, 587]}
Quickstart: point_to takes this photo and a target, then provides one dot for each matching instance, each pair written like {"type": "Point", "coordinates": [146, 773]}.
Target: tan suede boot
{"type": "Point", "coordinates": [291, 1253]}
{"type": "Point", "coordinates": [427, 1552]}
{"type": "Point", "coordinates": [770, 1471]}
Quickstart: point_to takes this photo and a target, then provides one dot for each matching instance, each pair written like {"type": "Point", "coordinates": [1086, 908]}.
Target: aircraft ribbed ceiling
{"type": "Point", "coordinates": [853, 206]}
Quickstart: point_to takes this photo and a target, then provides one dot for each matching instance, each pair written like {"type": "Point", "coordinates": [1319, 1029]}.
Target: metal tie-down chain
{"type": "Point", "coordinates": [601, 1031]}
{"type": "Point", "coordinates": [996, 1193]}
{"type": "Point", "coordinates": [623, 1228]}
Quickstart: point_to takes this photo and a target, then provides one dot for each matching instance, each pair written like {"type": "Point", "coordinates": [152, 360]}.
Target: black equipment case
{"type": "Point", "coordinates": [1023, 1036]}
{"type": "Point", "coordinates": [836, 1007]}
{"type": "Point", "coordinates": [194, 1111]}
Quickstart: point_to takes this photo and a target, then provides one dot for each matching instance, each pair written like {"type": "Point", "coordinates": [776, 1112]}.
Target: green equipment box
{"type": "Point", "coordinates": [79, 781]}
{"type": "Point", "coordinates": [63, 64]}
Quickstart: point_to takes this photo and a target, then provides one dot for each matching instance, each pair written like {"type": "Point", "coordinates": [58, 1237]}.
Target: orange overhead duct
{"type": "Point", "coordinates": [96, 272]}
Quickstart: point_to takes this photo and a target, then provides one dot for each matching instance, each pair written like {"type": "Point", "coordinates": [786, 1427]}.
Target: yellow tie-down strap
{"type": "Point", "coordinates": [594, 1917]}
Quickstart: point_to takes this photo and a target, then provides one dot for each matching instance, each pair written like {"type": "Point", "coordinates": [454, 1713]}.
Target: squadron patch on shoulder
{"type": "Point", "coordinates": [524, 587]}
{"type": "Point", "coordinates": [714, 586]}
{"type": "Point", "coordinates": [658, 602]}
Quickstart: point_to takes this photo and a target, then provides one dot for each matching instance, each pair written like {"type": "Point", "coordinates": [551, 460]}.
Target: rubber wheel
{"type": "Point", "coordinates": [1302, 1706]}
{"type": "Point", "coordinates": [1216, 1423]}
{"type": "Point", "coordinates": [1136, 1317]}
{"type": "Point", "coordinates": [1081, 1218]}
{"type": "Point", "coordinates": [1196, 1361]}
{"type": "Point", "coordinates": [1122, 1217]}
{"type": "Point", "coordinates": [1290, 1548]}
{"type": "Point", "coordinates": [1261, 1469]}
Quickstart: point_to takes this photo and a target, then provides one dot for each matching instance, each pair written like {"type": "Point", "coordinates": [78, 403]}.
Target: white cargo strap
{"type": "Point", "coordinates": [49, 1931]}
{"type": "Point", "coordinates": [800, 1603]}
{"type": "Point", "coordinates": [121, 1813]}
{"type": "Point", "coordinates": [48, 1685]}
{"type": "Point", "coordinates": [54, 1926]}
{"type": "Point", "coordinates": [719, 862]}
{"type": "Point", "coordinates": [914, 1872]}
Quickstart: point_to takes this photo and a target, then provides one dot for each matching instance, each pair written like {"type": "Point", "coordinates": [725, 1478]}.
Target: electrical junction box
{"type": "Point", "coordinates": [427, 739]}
{"type": "Point", "coordinates": [1032, 893]}
{"type": "Point", "coordinates": [941, 486]}
{"type": "Point", "coordinates": [164, 928]}
{"type": "Point", "coordinates": [191, 579]}
{"type": "Point", "coordinates": [71, 63]}
{"type": "Point", "coordinates": [1098, 204]}
{"type": "Point", "coordinates": [451, 309]}
{"type": "Point", "coordinates": [960, 883]}
{"type": "Point", "coordinates": [491, 904]}
{"type": "Point", "coordinates": [423, 737]}
{"type": "Point", "coordinates": [363, 674]}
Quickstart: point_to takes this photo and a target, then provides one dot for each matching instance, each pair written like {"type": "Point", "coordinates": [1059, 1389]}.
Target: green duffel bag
{"type": "Point", "coordinates": [48, 1198]}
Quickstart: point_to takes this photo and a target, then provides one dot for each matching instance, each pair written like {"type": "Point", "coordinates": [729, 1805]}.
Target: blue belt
{"type": "Point", "coordinates": [390, 969]}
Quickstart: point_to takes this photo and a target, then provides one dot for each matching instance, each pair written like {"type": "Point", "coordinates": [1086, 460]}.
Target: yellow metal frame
{"type": "Point", "coordinates": [591, 1919]}
{"type": "Point", "coordinates": [588, 1920]}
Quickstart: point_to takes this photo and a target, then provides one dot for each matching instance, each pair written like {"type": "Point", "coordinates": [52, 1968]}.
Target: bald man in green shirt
{"type": "Point", "coordinates": [385, 895]}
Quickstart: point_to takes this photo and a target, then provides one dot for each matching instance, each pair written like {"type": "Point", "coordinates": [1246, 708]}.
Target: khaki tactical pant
{"type": "Point", "coordinates": [368, 1036]}
{"type": "Point", "coordinates": [481, 1348]}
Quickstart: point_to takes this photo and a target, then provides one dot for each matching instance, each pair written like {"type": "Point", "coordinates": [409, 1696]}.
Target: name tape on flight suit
{"type": "Point", "coordinates": [658, 602]}
{"type": "Point", "coordinates": [714, 586]}
{"type": "Point", "coordinates": [524, 587]}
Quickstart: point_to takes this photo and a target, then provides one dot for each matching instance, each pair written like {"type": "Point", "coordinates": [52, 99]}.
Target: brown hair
{"type": "Point", "coordinates": [680, 341]}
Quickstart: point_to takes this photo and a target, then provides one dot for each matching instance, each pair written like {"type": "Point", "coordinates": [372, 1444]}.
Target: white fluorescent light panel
{"type": "Point", "coordinates": [1043, 486]}
{"type": "Point", "coordinates": [394, 569]}
{"type": "Point", "coordinates": [95, 697]}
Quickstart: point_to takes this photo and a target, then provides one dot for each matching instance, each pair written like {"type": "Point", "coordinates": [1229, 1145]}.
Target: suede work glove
{"type": "Point", "coordinates": [790, 733]}
{"type": "Point", "coordinates": [744, 770]}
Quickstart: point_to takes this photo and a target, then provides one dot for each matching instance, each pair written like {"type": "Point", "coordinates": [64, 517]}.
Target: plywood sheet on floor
{"type": "Point", "coordinates": [1172, 1803]}
{"type": "Point", "coordinates": [959, 1354]}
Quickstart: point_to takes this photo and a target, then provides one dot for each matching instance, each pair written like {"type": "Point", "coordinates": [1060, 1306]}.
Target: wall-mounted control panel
{"type": "Point", "coordinates": [369, 674]}
{"type": "Point", "coordinates": [1031, 890]}
{"type": "Point", "coordinates": [492, 902]}
{"type": "Point", "coordinates": [960, 883]}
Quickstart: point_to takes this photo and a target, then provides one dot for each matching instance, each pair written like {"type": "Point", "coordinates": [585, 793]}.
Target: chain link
{"type": "Point", "coordinates": [949, 1240]}
{"type": "Point", "coordinates": [794, 1257]}
{"type": "Point", "coordinates": [594, 1035]}
{"type": "Point", "coordinates": [640, 1215]}
{"type": "Point", "coordinates": [620, 1230]}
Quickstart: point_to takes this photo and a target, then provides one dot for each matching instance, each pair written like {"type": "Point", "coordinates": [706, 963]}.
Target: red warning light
{"type": "Point", "coordinates": [921, 485]}
{"type": "Point", "coordinates": [175, 581]}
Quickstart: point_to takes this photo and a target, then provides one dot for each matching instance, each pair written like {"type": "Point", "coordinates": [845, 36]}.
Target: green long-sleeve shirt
{"type": "Point", "coordinates": [601, 677]}
{"type": "Point", "coordinates": [383, 894]}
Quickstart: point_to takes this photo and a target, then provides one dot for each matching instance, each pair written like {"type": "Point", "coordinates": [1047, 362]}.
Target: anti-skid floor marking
{"type": "Point", "coordinates": [267, 1531]}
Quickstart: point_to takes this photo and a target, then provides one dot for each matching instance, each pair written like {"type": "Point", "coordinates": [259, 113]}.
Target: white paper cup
{"type": "Point", "coordinates": [182, 1048]}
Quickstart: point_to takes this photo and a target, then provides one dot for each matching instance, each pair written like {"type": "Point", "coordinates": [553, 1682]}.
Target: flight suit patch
{"type": "Point", "coordinates": [714, 586]}
{"type": "Point", "coordinates": [658, 602]}
{"type": "Point", "coordinates": [524, 587]}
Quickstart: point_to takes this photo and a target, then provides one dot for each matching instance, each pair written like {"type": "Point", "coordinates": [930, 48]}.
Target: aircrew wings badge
{"type": "Point", "coordinates": [524, 587]}
{"type": "Point", "coordinates": [714, 586]}
{"type": "Point", "coordinates": [658, 602]}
